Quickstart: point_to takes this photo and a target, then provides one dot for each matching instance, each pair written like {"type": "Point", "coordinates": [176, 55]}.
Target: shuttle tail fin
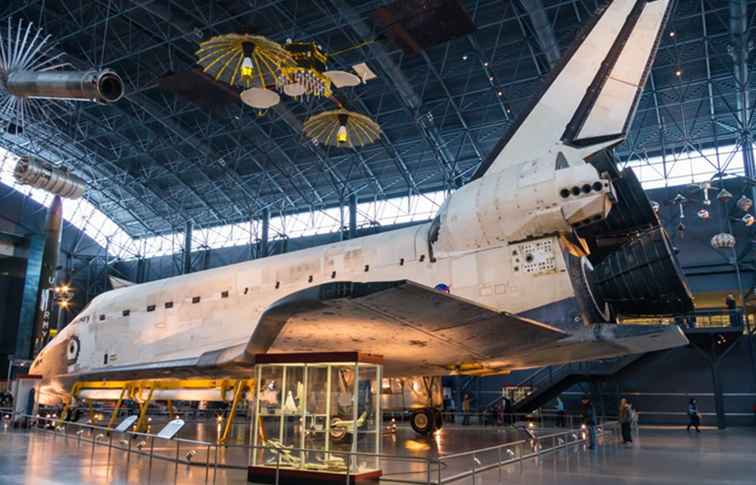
{"type": "Point", "coordinates": [590, 98]}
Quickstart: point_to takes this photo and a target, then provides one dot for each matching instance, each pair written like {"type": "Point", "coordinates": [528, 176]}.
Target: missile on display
{"type": "Point", "coordinates": [42, 175]}
{"type": "Point", "coordinates": [101, 86]}
{"type": "Point", "coordinates": [531, 263]}
{"type": "Point", "coordinates": [46, 297]}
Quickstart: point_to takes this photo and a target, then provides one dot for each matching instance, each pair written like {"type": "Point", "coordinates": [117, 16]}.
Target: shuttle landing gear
{"type": "Point", "coordinates": [426, 420]}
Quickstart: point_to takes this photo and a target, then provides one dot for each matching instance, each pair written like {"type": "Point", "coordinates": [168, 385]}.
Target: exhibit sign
{"type": "Point", "coordinates": [124, 425]}
{"type": "Point", "coordinates": [170, 429]}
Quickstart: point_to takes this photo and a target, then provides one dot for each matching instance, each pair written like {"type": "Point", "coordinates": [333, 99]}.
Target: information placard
{"type": "Point", "coordinates": [124, 425]}
{"type": "Point", "coordinates": [170, 429]}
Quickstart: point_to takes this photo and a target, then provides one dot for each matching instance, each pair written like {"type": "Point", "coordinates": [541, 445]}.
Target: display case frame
{"type": "Point", "coordinates": [325, 425]}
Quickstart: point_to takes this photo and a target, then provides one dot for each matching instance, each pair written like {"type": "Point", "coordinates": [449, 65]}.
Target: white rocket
{"type": "Point", "coordinates": [540, 254]}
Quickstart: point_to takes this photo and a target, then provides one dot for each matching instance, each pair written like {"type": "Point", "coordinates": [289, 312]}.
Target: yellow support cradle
{"type": "Point", "coordinates": [135, 390]}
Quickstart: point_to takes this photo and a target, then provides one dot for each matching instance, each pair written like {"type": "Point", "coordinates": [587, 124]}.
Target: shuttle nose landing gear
{"type": "Point", "coordinates": [426, 420]}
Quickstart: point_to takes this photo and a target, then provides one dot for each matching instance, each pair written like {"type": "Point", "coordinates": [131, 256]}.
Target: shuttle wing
{"type": "Point", "coordinates": [590, 98]}
{"type": "Point", "coordinates": [418, 330]}
{"type": "Point", "coordinates": [421, 331]}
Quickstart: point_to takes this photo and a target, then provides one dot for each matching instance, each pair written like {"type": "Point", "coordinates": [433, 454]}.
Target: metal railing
{"type": "Point", "coordinates": [499, 456]}
{"type": "Point", "coordinates": [713, 318]}
{"type": "Point", "coordinates": [213, 456]}
{"type": "Point", "coordinates": [489, 417]}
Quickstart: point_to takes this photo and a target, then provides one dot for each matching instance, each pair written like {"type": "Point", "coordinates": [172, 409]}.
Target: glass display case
{"type": "Point", "coordinates": [316, 413]}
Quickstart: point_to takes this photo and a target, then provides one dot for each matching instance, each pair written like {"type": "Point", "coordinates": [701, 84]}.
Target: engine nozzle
{"type": "Point", "coordinates": [103, 86]}
{"type": "Point", "coordinates": [640, 278]}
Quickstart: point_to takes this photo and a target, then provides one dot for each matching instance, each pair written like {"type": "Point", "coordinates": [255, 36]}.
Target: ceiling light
{"type": "Point", "coordinates": [341, 128]}
{"type": "Point", "coordinates": [246, 67]}
{"type": "Point", "coordinates": [342, 136]}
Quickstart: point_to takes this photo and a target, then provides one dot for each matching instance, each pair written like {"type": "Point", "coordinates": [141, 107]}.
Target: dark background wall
{"type": "Point", "coordinates": [81, 259]}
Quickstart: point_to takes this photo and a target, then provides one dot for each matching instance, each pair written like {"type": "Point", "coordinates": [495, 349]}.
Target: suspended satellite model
{"type": "Point", "coordinates": [42, 175]}
{"type": "Point", "coordinates": [32, 71]}
{"type": "Point", "coordinates": [264, 68]}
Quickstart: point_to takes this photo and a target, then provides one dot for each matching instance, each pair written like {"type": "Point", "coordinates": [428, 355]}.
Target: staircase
{"type": "Point", "coordinates": [548, 382]}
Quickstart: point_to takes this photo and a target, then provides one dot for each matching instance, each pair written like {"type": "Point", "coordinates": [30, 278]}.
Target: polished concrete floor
{"type": "Point", "coordinates": [659, 456]}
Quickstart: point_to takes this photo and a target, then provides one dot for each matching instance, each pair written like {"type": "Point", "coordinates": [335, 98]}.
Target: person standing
{"type": "Point", "coordinates": [626, 419]}
{"type": "Point", "coordinates": [466, 402]}
{"type": "Point", "coordinates": [732, 309]}
{"type": "Point", "coordinates": [694, 419]}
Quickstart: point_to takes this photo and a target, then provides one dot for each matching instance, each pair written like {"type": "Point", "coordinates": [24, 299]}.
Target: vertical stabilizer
{"type": "Point", "coordinates": [590, 98]}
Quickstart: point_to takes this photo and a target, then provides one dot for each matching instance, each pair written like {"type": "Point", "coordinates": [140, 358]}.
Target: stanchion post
{"type": "Point", "coordinates": [152, 449]}
{"type": "Point", "coordinates": [178, 443]}
{"type": "Point", "coordinates": [500, 464]}
{"type": "Point", "coordinates": [215, 465]}
{"type": "Point", "coordinates": [128, 451]}
{"type": "Point", "coordinates": [278, 465]}
{"type": "Point", "coordinates": [473, 469]}
{"type": "Point", "coordinates": [207, 463]}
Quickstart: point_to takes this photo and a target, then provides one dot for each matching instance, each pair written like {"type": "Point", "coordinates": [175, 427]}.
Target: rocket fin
{"type": "Point", "coordinates": [590, 98]}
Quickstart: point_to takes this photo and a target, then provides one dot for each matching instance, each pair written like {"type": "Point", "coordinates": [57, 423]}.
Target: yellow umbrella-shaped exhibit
{"type": "Point", "coordinates": [342, 128]}
{"type": "Point", "coordinates": [247, 61]}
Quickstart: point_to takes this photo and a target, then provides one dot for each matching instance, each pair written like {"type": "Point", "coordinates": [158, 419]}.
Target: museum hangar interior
{"type": "Point", "coordinates": [419, 241]}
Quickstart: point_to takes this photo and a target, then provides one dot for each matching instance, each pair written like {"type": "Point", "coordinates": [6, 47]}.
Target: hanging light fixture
{"type": "Point", "coordinates": [342, 135]}
{"type": "Point", "coordinates": [706, 186]}
{"type": "Point", "coordinates": [680, 200]}
{"type": "Point", "coordinates": [247, 65]}
{"type": "Point", "coordinates": [724, 195]}
{"type": "Point", "coordinates": [342, 128]}
{"type": "Point", "coordinates": [723, 240]}
{"type": "Point", "coordinates": [744, 203]}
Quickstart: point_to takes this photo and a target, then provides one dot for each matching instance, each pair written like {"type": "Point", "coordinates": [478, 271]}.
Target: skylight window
{"type": "Point", "coordinates": [681, 168]}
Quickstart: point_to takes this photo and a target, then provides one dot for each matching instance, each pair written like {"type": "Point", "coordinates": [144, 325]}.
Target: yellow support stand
{"type": "Point", "coordinates": [171, 414]}
{"type": "Point", "coordinates": [90, 411]}
{"type": "Point", "coordinates": [141, 424]}
{"type": "Point", "coordinates": [117, 407]}
{"type": "Point", "coordinates": [232, 413]}
{"type": "Point", "coordinates": [135, 389]}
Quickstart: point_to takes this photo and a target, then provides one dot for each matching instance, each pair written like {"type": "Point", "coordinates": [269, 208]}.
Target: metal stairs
{"type": "Point", "coordinates": [548, 382]}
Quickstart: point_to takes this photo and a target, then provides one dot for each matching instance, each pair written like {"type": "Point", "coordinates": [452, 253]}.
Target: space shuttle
{"type": "Point", "coordinates": [531, 263]}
